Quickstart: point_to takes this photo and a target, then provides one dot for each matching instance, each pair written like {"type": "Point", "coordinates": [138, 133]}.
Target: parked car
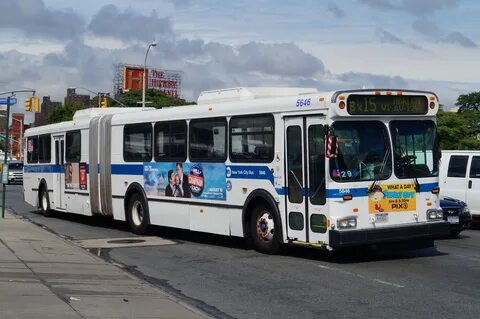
{"type": "Point", "coordinates": [457, 214]}
{"type": "Point", "coordinates": [15, 172]}
{"type": "Point", "coordinates": [460, 178]}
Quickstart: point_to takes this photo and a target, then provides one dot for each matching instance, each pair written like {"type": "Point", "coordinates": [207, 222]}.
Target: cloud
{"type": "Point", "coordinates": [426, 7]}
{"type": "Point", "coordinates": [415, 7]}
{"type": "Point", "coordinates": [33, 19]}
{"type": "Point", "coordinates": [180, 3]}
{"type": "Point", "coordinates": [129, 25]}
{"type": "Point", "coordinates": [380, 4]}
{"type": "Point", "coordinates": [279, 58]}
{"type": "Point", "coordinates": [460, 39]}
{"type": "Point", "coordinates": [373, 80]}
{"type": "Point", "coordinates": [426, 27]}
{"type": "Point", "coordinates": [387, 37]}
{"type": "Point", "coordinates": [336, 10]}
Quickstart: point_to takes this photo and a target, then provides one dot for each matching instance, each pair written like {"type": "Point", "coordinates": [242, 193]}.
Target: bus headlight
{"type": "Point", "coordinates": [434, 214]}
{"type": "Point", "coordinates": [347, 222]}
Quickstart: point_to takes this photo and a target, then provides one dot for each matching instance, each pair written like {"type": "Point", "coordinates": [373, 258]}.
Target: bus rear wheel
{"type": "Point", "coordinates": [263, 232]}
{"type": "Point", "coordinates": [44, 202]}
{"type": "Point", "coordinates": [137, 214]}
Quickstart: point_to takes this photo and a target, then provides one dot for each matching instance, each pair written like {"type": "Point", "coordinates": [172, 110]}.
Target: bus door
{"type": "Point", "coordinates": [59, 171]}
{"type": "Point", "coordinates": [305, 179]}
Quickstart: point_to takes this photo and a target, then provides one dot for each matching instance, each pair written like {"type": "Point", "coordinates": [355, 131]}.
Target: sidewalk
{"type": "Point", "coordinates": [45, 276]}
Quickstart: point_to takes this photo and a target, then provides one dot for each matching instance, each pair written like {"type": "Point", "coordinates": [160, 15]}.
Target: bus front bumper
{"type": "Point", "coordinates": [429, 231]}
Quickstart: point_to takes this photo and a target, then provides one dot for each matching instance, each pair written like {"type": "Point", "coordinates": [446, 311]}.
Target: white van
{"type": "Point", "coordinates": [460, 177]}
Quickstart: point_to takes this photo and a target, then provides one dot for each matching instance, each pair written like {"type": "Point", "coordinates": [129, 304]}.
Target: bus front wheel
{"type": "Point", "coordinates": [263, 232]}
{"type": "Point", "coordinates": [44, 202]}
{"type": "Point", "coordinates": [137, 214]}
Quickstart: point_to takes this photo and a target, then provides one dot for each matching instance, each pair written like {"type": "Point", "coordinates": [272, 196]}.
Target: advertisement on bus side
{"type": "Point", "coordinates": [187, 180]}
{"type": "Point", "coordinates": [391, 198]}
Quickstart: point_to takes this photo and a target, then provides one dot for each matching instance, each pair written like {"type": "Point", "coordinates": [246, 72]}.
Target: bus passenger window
{"type": "Point", "coordinates": [251, 138]}
{"type": "Point", "coordinates": [137, 142]}
{"type": "Point", "coordinates": [44, 148]}
{"type": "Point", "coordinates": [32, 149]}
{"type": "Point", "coordinates": [208, 140]}
{"type": "Point", "coordinates": [73, 146]}
{"type": "Point", "coordinates": [171, 141]}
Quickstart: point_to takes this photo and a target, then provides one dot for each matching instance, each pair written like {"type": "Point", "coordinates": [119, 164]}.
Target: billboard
{"type": "Point", "coordinates": [166, 81]}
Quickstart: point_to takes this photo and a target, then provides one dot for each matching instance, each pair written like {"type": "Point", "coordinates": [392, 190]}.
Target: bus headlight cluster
{"type": "Point", "coordinates": [347, 222]}
{"type": "Point", "coordinates": [433, 214]}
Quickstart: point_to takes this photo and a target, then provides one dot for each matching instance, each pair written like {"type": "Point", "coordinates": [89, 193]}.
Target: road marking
{"type": "Point", "coordinates": [345, 272]}
{"type": "Point", "coordinates": [388, 283]}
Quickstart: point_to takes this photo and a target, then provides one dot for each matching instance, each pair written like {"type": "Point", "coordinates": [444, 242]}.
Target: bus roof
{"type": "Point", "coordinates": [250, 93]}
{"type": "Point", "coordinates": [233, 101]}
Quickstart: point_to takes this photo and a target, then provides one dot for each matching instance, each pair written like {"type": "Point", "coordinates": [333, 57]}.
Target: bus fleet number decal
{"type": "Point", "coordinates": [303, 102]}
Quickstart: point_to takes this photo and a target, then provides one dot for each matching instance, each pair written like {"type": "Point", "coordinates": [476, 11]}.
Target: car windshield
{"type": "Point", "coordinates": [415, 148]}
{"type": "Point", "coordinates": [364, 152]}
{"type": "Point", "coordinates": [15, 166]}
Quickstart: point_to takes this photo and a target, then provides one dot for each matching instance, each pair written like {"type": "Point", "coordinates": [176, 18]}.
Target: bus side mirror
{"type": "Point", "coordinates": [332, 146]}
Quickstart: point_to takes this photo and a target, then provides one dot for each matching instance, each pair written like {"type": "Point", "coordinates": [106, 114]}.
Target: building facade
{"type": "Point", "coordinates": [17, 128]}
{"type": "Point", "coordinates": [73, 98]}
{"type": "Point", "coordinates": [47, 107]}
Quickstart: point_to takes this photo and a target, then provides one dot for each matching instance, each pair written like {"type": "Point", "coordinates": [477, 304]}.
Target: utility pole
{"type": "Point", "coordinates": [5, 159]}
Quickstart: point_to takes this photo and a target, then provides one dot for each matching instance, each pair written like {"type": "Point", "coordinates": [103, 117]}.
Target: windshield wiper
{"type": "Point", "coordinates": [417, 185]}
{"type": "Point", "coordinates": [382, 168]}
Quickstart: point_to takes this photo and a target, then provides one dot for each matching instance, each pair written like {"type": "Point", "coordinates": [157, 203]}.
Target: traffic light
{"type": "Point", "coordinates": [28, 104]}
{"type": "Point", "coordinates": [36, 104]}
{"type": "Point", "coordinates": [104, 102]}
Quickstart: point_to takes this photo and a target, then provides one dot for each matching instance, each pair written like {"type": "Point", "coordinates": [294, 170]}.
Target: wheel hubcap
{"type": "Point", "coordinates": [137, 213]}
{"type": "Point", "coordinates": [265, 226]}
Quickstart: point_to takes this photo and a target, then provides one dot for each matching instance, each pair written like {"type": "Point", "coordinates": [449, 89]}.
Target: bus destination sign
{"type": "Point", "coordinates": [387, 104]}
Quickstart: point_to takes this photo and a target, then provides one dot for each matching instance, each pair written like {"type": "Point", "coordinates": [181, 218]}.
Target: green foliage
{"type": "Point", "coordinates": [468, 102]}
{"type": "Point", "coordinates": [158, 99]}
{"type": "Point", "coordinates": [63, 113]}
{"type": "Point", "coordinates": [459, 131]}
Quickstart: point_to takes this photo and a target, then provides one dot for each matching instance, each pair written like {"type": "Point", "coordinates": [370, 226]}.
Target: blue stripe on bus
{"type": "Point", "coordinates": [424, 188]}
{"type": "Point", "coordinates": [249, 172]}
{"type": "Point", "coordinates": [339, 192]}
{"type": "Point", "coordinates": [127, 169]}
{"type": "Point", "coordinates": [43, 168]}
{"type": "Point", "coordinates": [46, 168]}
{"type": "Point", "coordinates": [233, 171]}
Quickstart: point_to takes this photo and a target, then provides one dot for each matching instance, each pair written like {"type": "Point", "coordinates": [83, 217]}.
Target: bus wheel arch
{"type": "Point", "coordinates": [262, 224]}
{"type": "Point", "coordinates": [136, 208]}
{"type": "Point", "coordinates": [44, 199]}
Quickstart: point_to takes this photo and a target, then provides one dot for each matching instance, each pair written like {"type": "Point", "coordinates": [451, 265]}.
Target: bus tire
{"type": "Point", "coordinates": [44, 202]}
{"type": "Point", "coordinates": [264, 236]}
{"type": "Point", "coordinates": [137, 214]}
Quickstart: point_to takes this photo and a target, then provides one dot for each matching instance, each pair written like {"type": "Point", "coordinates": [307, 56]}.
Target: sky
{"type": "Point", "coordinates": [49, 45]}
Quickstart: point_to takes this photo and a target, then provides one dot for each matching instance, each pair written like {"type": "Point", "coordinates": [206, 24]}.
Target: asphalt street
{"type": "Point", "coordinates": [226, 279]}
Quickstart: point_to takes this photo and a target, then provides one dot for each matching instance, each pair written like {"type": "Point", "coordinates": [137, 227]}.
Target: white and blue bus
{"type": "Point", "coordinates": [277, 165]}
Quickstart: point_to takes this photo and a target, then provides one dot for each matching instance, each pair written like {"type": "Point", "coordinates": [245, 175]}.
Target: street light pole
{"type": "Point", "coordinates": [152, 44]}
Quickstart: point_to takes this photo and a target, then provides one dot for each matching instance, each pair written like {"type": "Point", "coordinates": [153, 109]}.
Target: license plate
{"type": "Point", "coordinates": [453, 219]}
{"type": "Point", "coordinates": [381, 218]}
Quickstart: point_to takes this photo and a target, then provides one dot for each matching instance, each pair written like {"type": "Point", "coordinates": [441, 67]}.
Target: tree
{"type": "Point", "coordinates": [469, 102]}
{"type": "Point", "coordinates": [158, 99]}
{"type": "Point", "coordinates": [459, 131]}
{"type": "Point", "coordinates": [63, 113]}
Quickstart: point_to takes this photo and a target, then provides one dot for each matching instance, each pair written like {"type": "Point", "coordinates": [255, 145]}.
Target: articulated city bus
{"type": "Point", "coordinates": [277, 165]}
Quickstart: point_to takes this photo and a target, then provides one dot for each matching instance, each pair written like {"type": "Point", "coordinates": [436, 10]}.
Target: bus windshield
{"type": "Point", "coordinates": [415, 148]}
{"type": "Point", "coordinates": [364, 152]}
